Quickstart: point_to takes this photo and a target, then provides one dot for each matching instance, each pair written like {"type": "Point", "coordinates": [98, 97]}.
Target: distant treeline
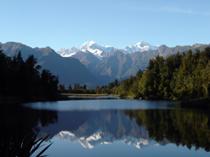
{"type": "Point", "coordinates": [76, 88]}
{"type": "Point", "coordinates": [24, 79]}
{"type": "Point", "coordinates": [178, 77]}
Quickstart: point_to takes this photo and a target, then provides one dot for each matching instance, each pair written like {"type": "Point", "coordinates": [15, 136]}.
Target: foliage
{"type": "Point", "coordinates": [177, 77]}
{"type": "Point", "coordinates": [76, 89]}
{"type": "Point", "coordinates": [25, 80]}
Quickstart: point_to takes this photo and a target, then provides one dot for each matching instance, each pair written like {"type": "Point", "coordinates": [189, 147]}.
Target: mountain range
{"type": "Point", "coordinates": [94, 64]}
{"type": "Point", "coordinates": [113, 63]}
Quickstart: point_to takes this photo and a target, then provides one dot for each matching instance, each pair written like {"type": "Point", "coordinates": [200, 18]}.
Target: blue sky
{"type": "Point", "coordinates": [67, 23]}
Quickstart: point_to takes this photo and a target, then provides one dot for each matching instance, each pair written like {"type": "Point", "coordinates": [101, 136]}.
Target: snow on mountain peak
{"type": "Point", "coordinates": [96, 49]}
{"type": "Point", "coordinates": [102, 51]}
{"type": "Point", "coordinates": [92, 47]}
{"type": "Point", "coordinates": [68, 52]}
{"type": "Point", "coordinates": [140, 46]}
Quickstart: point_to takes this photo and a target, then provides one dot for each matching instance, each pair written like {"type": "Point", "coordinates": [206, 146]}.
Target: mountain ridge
{"type": "Point", "coordinates": [115, 63]}
{"type": "Point", "coordinates": [142, 46]}
{"type": "Point", "coordinates": [93, 64]}
{"type": "Point", "coordinates": [64, 68]}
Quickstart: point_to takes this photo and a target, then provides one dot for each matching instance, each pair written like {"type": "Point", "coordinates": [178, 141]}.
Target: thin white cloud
{"type": "Point", "coordinates": [169, 9]}
{"type": "Point", "coordinates": [183, 11]}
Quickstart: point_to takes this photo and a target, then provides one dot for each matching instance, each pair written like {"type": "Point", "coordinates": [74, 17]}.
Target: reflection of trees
{"type": "Point", "coordinates": [19, 130]}
{"type": "Point", "coordinates": [183, 127]}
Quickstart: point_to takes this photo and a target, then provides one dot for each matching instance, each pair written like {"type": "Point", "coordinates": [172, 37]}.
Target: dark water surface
{"type": "Point", "coordinates": [104, 128]}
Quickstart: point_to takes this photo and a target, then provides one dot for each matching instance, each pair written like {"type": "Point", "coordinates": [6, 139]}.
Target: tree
{"type": "Point", "coordinates": [25, 79]}
{"type": "Point", "coordinates": [177, 77]}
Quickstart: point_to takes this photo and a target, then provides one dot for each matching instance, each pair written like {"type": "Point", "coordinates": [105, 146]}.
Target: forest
{"type": "Point", "coordinates": [182, 76]}
{"type": "Point", "coordinates": [25, 80]}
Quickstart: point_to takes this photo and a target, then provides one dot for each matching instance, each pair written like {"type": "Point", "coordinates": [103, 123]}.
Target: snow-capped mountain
{"type": "Point", "coordinates": [140, 47]}
{"type": "Point", "coordinates": [92, 47]}
{"type": "Point", "coordinates": [88, 47]}
{"type": "Point", "coordinates": [68, 52]}
{"type": "Point", "coordinates": [100, 64]}
{"type": "Point", "coordinates": [111, 63]}
{"type": "Point", "coordinates": [105, 51]}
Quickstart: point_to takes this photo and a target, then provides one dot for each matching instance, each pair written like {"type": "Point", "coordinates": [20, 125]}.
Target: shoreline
{"type": "Point", "coordinates": [199, 103]}
{"type": "Point", "coordinates": [10, 100]}
{"type": "Point", "coordinates": [76, 96]}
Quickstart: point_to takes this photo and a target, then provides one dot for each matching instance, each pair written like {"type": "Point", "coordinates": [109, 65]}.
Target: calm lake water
{"type": "Point", "coordinates": [101, 128]}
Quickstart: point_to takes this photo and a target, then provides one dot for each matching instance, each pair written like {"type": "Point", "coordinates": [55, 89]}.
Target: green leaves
{"type": "Point", "coordinates": [180, 76]}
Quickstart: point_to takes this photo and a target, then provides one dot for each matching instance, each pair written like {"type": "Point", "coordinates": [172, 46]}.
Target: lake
{"type": "Point", "coordinates": [101, 128]}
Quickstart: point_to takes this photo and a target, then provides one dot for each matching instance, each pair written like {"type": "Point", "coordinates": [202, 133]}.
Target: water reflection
{"type": "Point", "coordinates": [22, 126]}
{"type": "Point", "coordinates": [182, 127]}
{"type": "Point", "coordinates": [98, 105]}
{"type": "Point", "coordinates": [91, 128]}
{"type": "Point", "coordinates": [139, 128]}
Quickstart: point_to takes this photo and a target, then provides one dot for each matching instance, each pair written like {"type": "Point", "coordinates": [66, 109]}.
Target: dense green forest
{"type": "Point", "coordinates": [181, 76]}
{"type": "Point", "coordinates": [24, 79]}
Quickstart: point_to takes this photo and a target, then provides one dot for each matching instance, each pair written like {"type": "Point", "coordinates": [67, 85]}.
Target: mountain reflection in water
{"type": "Point", "coordinates": [138, 128]}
